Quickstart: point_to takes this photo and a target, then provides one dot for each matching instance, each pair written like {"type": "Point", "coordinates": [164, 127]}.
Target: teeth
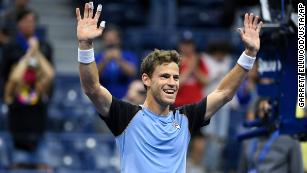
{"type": "Point", "coordinates": [169, 91]}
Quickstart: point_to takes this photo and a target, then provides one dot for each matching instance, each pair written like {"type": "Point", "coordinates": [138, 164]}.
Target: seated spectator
{"type": "Point", "coordinates": [117, 67]}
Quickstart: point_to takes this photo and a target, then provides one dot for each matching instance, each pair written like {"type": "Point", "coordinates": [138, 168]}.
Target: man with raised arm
{"type": "Point", "coordinates": [153, 137]}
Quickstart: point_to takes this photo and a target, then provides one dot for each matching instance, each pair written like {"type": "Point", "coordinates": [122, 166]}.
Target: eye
{"type": "Point", "coordinates": [164, 76]}
{"type": "Point", "coordinates": [176, 77]}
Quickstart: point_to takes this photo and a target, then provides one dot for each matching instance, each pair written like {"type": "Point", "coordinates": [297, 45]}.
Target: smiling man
{"type": "Point", "coordinates": [153, 137]}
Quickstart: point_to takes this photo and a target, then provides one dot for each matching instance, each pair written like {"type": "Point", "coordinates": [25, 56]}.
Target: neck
{"type": "Point", "coordinates": [153, 105]}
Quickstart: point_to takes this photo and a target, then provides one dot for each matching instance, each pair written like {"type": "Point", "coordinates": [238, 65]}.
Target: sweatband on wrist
{"type": "Point", "coordinates": [86, 56]}
{"type": "Point", "coordinates": [246, 61]}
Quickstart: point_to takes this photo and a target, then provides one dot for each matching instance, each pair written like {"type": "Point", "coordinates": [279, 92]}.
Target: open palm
{"type": "Point", "coordinates": [250, 32]}
{"type": "Point", "coordinates": [87, 28]}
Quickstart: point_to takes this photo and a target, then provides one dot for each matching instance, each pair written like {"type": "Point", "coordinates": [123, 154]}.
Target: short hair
{"type": "Point", "coordinates": [158, 57]}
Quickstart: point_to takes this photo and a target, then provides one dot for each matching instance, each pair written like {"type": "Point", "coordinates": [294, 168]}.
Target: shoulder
{"type": "Point", "coordinates": [120, 115]}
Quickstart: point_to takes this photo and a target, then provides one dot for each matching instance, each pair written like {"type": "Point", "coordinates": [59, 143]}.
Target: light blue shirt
{"type": "Point", "coordinates": [151, 143]}
{"type": "Point", "coordinates": [154, 144]}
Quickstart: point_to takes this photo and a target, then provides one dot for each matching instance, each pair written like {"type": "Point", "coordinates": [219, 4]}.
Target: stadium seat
{"type": "Point", "coordinates": [5, 150]}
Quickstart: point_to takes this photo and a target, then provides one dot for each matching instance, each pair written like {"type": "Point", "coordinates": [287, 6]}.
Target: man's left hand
{"type": "Point", "coordinates": [250, 34]}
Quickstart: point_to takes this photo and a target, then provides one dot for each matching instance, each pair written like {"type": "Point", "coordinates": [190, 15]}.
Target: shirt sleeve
{"type": "Point", "coordinates": [195, 114]}
{"type": "Point", "coordinates": [120, 115]}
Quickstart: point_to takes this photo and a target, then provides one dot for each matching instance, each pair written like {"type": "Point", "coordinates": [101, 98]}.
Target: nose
{"type": "Point", "coordinates": [171, 82]}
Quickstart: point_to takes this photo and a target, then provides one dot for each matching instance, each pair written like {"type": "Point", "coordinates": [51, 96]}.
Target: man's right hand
{"type": "Point", "coordinates": [87, 28]}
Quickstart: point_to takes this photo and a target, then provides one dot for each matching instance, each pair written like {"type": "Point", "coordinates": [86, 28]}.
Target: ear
{"type": "Point", "coordinates": [146, 80]}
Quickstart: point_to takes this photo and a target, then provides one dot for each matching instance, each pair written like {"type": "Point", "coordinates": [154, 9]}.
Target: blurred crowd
{"type": "Point", "coordinates": [46, 123]}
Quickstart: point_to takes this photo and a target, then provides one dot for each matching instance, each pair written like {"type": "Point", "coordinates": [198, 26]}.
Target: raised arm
{"type": "Point", "coordinates": [45, 81]}
{"type": "Point", "coordinates": [87, 30]}
{"type": "Point", "coordinates": [231, 82]}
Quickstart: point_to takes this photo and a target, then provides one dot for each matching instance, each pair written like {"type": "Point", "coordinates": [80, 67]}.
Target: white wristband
{"type": "Point", "coordinates": [86, 56]}
{"type": "Point", "coordinates": [246, 61]}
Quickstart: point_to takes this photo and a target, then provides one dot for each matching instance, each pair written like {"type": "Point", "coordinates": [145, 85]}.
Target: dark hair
{"type": "Point", "coordinates": [158, 57]}
{"type": "Point", "coordinates": [23, 13]}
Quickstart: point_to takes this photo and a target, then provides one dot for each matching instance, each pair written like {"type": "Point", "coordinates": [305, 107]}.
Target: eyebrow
{"type": "Point", "coordinates": [167, 74]}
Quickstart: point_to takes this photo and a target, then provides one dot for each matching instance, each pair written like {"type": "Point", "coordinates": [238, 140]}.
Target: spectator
{"type": "Point", "coordinates": [193, 74]}
{"type": "Point", "coordinates": [117, 67]}
{"type": "Point", "coordinates": [18, 46]}
{"type": "Point", "coordinates": [26, 94]}
{"type": "Point", "coordinates": [273, 152]}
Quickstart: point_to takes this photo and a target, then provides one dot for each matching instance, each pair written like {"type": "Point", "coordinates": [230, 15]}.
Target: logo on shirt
{"type": "Point", "coordinates": [176, 125]}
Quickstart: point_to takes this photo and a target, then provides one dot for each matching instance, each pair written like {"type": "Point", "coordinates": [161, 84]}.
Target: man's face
{"type": "Point", "coordinates": [164, 83]}
{"type": "Point", "coordinates": [27, 25]}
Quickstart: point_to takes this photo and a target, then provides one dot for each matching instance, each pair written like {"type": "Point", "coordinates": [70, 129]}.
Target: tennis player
{"type": "Point", "coordinates": [153, 137]}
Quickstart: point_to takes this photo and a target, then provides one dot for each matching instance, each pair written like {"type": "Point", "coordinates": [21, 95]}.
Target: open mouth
{"type": "Point", "coordinates": [169, 91]}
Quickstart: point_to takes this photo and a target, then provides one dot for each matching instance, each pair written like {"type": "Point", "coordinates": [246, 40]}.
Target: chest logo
{"type": "Point", "coordinates": [176, 125]}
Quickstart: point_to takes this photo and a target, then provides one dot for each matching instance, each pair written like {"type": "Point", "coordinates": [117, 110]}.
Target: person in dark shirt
{"type": "Point", "coordinates": [17, 47]}
{"type": "Point", "coordinates": [26, 94]}
{"type": "Point", "coordinates": [154, 137]}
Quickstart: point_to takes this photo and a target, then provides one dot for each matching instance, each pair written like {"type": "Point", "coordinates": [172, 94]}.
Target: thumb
{"type": "Point", "coordinates": [240, 30]}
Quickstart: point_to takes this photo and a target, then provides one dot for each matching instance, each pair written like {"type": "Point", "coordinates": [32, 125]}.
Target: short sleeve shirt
{"type": "Point", "coordinates": [152, 143]}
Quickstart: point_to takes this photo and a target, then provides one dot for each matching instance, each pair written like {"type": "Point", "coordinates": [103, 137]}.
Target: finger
{"type": "Point", "coordinates": [102, 24]}
{"type": "Point", "coordinates": [85, 11]}
{"type": "Point", "coordinates": [98, 12]}
{"type": "Point", "coordinates": [78, 16]}
{"type": "Point", "coordinates": [250, 21]}
{"type": "Point", "coordinates": [240, 30]}
{"type": "Point", "coordinates": [90, 9]}
{"type": "Point", "coordinates": [100, 30]}
{"type": "Point", "coordinates": [259, 26]}
{"type": "Point", "coordinates": [245, 20]}
{"type": "Point", "coordinates": [255, 22]}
